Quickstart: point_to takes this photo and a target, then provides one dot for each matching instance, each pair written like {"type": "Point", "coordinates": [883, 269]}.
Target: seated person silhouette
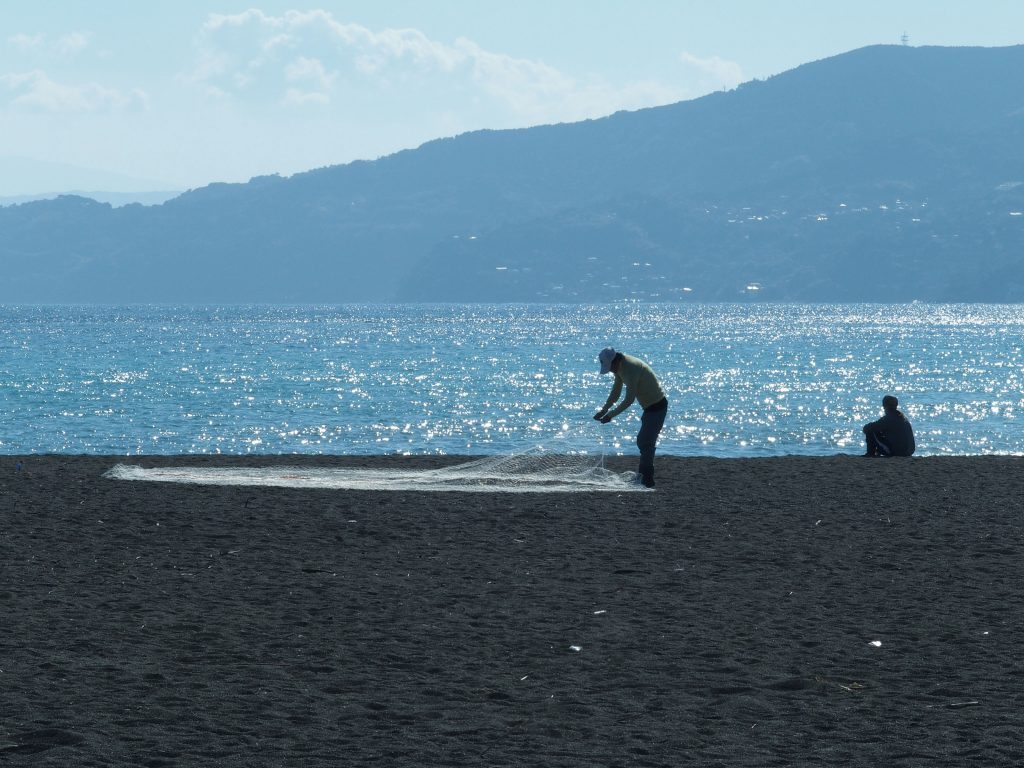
{"type": "Point", "coordinates": [891, 435]}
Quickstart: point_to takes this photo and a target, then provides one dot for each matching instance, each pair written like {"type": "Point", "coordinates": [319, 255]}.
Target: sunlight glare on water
{"type": "Point", "coordinates": [742, 379]}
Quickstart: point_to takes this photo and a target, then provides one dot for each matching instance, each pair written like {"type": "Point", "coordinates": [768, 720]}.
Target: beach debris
{"type": "Point", "coordinates": [575, 648]}
{"type": "Point", "coordinates": [598, 613]}
{"type": "Point", "coordinates": [852, 687]}
{"type": "Point", "coordinates": [876, 643]}
{"type": "Point", "coordinates": [523, 678]}
{"type": "Point", "coordinates": [955, 705]}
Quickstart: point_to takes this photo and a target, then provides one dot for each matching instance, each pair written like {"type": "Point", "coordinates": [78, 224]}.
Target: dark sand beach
{"type": "Point", "coordinates": [750, 612]}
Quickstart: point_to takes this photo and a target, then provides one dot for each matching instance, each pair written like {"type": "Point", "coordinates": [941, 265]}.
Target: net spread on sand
{"type": "Point", "coordinates": [520, 473]}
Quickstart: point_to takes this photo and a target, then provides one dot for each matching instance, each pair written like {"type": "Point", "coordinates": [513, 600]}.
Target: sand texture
{"type": "Point", "coordinates": [750, 612]}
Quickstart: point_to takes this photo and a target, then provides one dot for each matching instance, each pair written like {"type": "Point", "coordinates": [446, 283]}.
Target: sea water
{"type": "Point", "coordinates": [742, 379]}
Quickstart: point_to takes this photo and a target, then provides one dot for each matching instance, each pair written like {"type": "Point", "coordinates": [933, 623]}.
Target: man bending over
{"type": "Point", "coordinates": [641, 384]}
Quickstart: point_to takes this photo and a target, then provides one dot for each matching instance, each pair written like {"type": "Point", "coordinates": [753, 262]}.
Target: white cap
{"type": "Point", "coordinates": [605, 359]}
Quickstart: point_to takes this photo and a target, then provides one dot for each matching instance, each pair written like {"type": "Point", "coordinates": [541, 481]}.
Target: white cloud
{"type": "Point", "coordinates": [311, 71]}
{"type": "Point", "coordinates": [69, 44]}
{"type": "Point", "coordinates": [36, 91]}
{"type": "Point", "coordinates": [720, 72]}
{"type": "Point", "coordinates": [294, 96]}
{"type": "Point", "coordinates": [302, 57]}
{"type": "Point", "coordinates": [25, 42]}
{"type": "Point", "coordinates": [310, 82]}
{"type": "Point", "coordinates": [255, 40]}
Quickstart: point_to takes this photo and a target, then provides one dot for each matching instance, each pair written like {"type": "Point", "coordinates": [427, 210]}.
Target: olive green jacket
{"type": "Point", "coordinates": [641, 384]}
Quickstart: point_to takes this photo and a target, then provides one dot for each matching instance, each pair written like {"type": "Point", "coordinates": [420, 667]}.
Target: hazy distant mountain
{"type": "Point", "coordinates": [23, 177]}
{"type": "Point", "coordinates": [116, 199]}
{"type": "Point", "coordinates": [886, 174]}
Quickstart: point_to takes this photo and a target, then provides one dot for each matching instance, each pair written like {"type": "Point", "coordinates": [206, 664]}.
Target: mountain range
{"type": "Point", "coordinates": [889, 173]}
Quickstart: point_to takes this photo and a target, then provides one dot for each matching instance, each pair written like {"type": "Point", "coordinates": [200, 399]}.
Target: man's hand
{"type": "Point", "coordinates": [605, 419]}
{"type": "Point", "coordinates": [599, 416]}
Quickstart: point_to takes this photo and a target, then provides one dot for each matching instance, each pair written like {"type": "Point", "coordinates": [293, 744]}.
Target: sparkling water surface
{"type": "Point", "coordinates": [742, 380]}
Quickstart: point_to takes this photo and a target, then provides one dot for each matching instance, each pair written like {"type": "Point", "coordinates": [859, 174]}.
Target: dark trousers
{"type": "Point", "coordinates": [650, 427]}
{"type": "Point", "coordinates": [876, 444]}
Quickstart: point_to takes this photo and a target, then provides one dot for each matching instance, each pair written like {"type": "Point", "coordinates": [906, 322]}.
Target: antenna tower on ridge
{"type": "Point", "coordinates": [904, 39]}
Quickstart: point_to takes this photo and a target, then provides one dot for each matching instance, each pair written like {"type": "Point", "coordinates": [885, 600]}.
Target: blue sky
{"type": "Point", "coordinates": [180, 93]}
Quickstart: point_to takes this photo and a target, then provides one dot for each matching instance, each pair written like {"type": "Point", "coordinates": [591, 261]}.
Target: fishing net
{"type": "Point", "coordinates": [532, 472]}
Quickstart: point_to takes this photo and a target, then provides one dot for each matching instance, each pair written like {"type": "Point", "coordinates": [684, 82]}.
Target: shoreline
{"type": "Point", "coordinates": [422, 459]}
{"type": "Point", "coordinates": [776, 610]}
